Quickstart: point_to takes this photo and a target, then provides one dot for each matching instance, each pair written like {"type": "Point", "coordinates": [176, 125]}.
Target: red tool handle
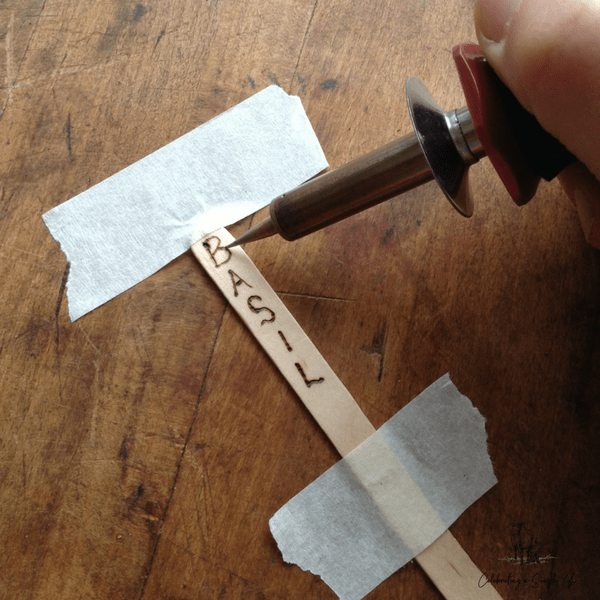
{"type": "Point", "coordinates": [521, 151]}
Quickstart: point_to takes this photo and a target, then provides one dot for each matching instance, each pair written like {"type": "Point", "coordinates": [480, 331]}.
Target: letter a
{"type": "Point", "coordinates": [236, 280]}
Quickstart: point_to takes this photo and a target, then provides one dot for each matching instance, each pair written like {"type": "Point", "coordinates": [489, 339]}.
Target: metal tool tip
{"type": "Point", "coordinates": [260, 231]}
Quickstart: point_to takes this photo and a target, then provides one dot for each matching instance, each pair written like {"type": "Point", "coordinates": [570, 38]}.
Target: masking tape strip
{"type": "Point", "coordinates": [375, 510]}
{"type": "Point", "coordinates": [418, 524]}
{"type": "Point", "coordinates": [132, 224]}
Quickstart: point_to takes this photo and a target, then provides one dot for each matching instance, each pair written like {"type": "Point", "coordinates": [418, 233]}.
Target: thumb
{"type": "Point", "coordinates": [548, 53]}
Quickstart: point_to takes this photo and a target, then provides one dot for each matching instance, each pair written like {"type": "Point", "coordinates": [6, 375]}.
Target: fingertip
{"type": "Point", "coordinates": [549, 56]}
{"type": "Point", "coordinates": [492, 18]}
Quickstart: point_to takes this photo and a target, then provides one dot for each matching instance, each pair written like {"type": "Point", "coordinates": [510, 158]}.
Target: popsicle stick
{"type": "Point", "coordinates": [284, 341]}
{"type": "Point", "coordinates": [323, 394]}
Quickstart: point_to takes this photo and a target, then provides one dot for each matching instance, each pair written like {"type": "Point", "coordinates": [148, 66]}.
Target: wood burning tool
{"type": "Point", "coordinates": [443, 147]}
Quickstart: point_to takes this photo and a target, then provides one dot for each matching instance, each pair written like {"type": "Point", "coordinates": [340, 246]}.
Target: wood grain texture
{"type": "Point", "coordinates": [144, 448]}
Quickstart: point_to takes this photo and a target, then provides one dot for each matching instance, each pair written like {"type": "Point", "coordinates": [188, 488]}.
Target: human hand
{"type": "Point", "coordinates": [548, 53]}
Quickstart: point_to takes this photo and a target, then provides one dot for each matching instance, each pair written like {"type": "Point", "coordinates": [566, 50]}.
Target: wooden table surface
{"type": "Point", "coordinates": [144, 447]}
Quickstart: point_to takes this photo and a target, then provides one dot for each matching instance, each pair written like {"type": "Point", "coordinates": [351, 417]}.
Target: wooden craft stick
{"type": "Point", "coordinates": [324, 395]}
{"type": "Point", "coordinates": [284, 341]}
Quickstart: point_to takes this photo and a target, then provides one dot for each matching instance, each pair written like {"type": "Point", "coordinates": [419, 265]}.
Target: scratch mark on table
{"type": "Point", "coordinates": [9, 76]}
{"type": "Point", "coordinates": [15, 77]}
{"type": "Point", "coordinates": [87, 337]}
{"type": "Point", "coordinates": [14, 247]}
{"type": "Point", "coordinates": [24, 473]}
{"type": "Point", "coordinates": [94, 424]}
{"type": "Point", "coordinates": [67, 132]}
{"type": "Point", "coordinates": [123, 452]}
{"type": "Point", "coordinates": [206, 500]}
{"type": "Point", "coordinates": [310, 20]}
{"type": "Point", "coordinates": [61, 295]}
{"type": "Point", "coordinates": [145, 356]}
{"type": "Point", "coordinates": [180, 461]}
{"type": "Point", "coordinates": [8, 43]}
{"type": "Point", "coordinates": [185, 532]}
{"type": "Point", "coordinates": [67, 71]}
{"type": "Point", "coordinates": [315, 297]}
{"type": "Point", "coordinates": [160, 37]}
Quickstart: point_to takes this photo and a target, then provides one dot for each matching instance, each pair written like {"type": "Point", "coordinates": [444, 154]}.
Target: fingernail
{"type": "Point", "coordinates": [492, 17]}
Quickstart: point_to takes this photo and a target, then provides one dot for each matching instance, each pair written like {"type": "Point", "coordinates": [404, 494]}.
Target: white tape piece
{"type": "Point", "coordinates": [366, 517]}
{"type": "Point", "coordinates": [129, 226]}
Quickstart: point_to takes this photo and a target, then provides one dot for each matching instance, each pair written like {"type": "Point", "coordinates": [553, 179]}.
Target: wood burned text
{"type": "Point", "coordinates": [220, 255]}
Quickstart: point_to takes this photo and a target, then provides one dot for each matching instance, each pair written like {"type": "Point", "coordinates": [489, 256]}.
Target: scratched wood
{"type": "Point", "coordinates": [144, 448]}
